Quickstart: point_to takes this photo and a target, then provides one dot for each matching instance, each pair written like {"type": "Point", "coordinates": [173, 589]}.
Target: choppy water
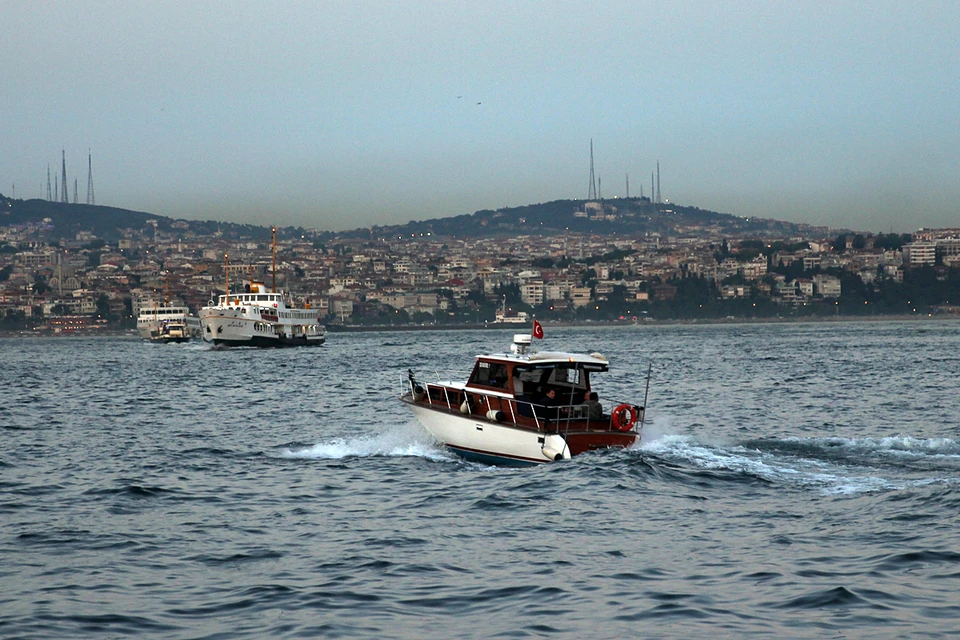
{"type": "Point", "coordinates": [798, 481]}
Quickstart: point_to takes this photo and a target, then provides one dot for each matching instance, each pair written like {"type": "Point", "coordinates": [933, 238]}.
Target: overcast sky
{"type": "Point", "coordinates": [336, 115]}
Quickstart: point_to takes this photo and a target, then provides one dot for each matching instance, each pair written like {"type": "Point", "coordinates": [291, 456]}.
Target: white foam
{"type": "Point", "coordinates": [827, 477]}
{"type": "Point", "coordinates": [394, 442]}
{"type": "Point", "coordinates": [898, 444]}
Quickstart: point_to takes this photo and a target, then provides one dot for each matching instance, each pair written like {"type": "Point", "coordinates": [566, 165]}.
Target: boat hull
{"type": "Point", "coordinates": [483, 441]}
{"type": "Point", "coordinates": [489, 442]}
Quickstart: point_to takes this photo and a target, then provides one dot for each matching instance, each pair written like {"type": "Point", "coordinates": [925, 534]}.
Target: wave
{"type": "Point", "coordinates": [897, 445]}
{"type": "Point", "coordinates": [397, 442]}
{"type": "Point", "coordinates": [829, 465]}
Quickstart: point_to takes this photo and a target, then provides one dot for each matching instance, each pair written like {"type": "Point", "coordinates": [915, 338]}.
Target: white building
{"type": "Point", "coordinates": [826, 285]}
{"type": "Point", "coordinates": [531, 292]}
{"type": "Point", "coordinates": [920, 253]}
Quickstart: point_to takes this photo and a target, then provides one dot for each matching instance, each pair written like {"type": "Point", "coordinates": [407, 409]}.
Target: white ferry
{"type": "Point", "coordinates": [258, 318]}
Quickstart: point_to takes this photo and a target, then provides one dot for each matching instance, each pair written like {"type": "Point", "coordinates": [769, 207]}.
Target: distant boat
{"type": "Point", "coordinates": [501, 316]}
{"type": "Point", "coordinates": [152, 320]}
{"type": "Point", "coordinates": [165, 322]}
{"type": "Point", "coordinates": [172, 331]}
{"type": "Point", "coordinates": [259, 318]}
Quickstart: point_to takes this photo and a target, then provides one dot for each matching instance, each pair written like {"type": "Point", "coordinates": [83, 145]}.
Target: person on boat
{"type": "Point", "coordinates": [550, 405]}
{"type": "Point", "coordinates": [594, 408]}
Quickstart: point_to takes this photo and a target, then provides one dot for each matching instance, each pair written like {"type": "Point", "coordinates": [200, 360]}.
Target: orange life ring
{"type": "Point", "coordinates": [624, 417]}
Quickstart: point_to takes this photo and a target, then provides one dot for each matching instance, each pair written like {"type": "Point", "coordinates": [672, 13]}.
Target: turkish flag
{"type": "Point", "coordinates": [537, 330]}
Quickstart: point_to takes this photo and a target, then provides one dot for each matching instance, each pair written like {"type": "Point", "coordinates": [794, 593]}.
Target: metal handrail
{"type": "Point", "coordinates": [542, 415]}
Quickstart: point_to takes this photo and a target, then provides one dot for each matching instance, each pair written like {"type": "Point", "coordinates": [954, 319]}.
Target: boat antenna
{"type": "Point", "coordinates": [274, 229]}
{"type": "Point", "coordinates": [643, 409]}
{"type": "Point", "coordinates": [226, 275]}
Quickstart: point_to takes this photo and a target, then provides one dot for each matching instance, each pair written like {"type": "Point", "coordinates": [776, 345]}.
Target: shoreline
{"type": "Point", "coordinates": [337, 328]}
{"type": "Point", "coordinates": [649, 323]}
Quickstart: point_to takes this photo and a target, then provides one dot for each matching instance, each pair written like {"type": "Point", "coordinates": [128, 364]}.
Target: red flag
{"type": "Point", "coordinates": [537, 330]}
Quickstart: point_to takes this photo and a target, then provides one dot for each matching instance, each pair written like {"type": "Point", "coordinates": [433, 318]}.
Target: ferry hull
{"type": "Point", "coordinates": [231, 329]}
{"type": "Point", "coordinates": [262, 342]}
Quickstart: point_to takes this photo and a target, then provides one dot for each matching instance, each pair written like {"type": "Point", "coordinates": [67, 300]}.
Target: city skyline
{"type": "Point", "coordinates": [338, 116]}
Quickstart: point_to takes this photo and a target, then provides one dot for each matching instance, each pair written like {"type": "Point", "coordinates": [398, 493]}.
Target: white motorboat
{"type": "Point", "coordinates": [524, 408]}
{"type": "Point", "coordinates": [152, 319]}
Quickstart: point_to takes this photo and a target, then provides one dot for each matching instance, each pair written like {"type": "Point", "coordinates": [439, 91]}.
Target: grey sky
{"type": "Point", "coordinates": [343, 114]}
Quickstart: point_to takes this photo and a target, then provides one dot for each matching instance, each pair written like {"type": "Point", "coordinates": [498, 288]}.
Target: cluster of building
{"type": "Point", "coordinates": [82, 281]}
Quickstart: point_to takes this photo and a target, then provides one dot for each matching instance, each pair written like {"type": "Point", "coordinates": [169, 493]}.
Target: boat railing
{"type": "Point", "coordinates": [552, 418]}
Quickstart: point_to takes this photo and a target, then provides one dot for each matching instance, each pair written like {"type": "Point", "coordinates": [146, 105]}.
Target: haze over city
{"type": "Point", "coordinates": [336, 115]}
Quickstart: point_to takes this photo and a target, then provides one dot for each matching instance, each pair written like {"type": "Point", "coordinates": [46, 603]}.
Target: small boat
{"type": "Point", "coordinates": [152, 320]}
{"type": "Point", "coordinates": [524, 408]}
{"type": "Point", "coordinates": [172, 331]}
{"type": "Point", "coordinates": [256, 317]}
{"type": "Point", "coordinates": [165, 322]}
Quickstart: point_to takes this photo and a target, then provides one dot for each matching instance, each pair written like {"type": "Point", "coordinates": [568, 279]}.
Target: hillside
{"type": "Point", "coordinates": [621, 216]}
{"type": "Point", "coordinates": [66, 220]}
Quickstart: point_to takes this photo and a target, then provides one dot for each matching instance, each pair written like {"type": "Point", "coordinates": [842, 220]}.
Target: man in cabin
{"type": "Point", "coordinates": [594, 408]}
{"type": "Point", "coordinates": [550, 404]}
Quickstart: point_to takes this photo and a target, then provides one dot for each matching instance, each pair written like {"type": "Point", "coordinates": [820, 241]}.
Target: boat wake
{"type": "Point", "coordinates": [402, 441]}
{"type": "Point", "coordinates": [830, 466]}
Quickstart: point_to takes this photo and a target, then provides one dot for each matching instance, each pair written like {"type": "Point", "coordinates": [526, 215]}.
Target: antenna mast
{"type": "Point", "coordinates": [49, 192]}
{"type": "Point", "coordinates": [64, 197]}
{"type": "Point", "coordinates": [592, 189]}
{"type": "Point", "coordinates": [90, 197]}
{"type": "Point", "coordinates": [659, 199]}
{"type": "Point", "coordinates": [274, 288]}
{"type": "Point", "coordinates": [628, 186]}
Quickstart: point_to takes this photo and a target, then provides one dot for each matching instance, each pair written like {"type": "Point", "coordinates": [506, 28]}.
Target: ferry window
{"type": "Point", "coordinates": [262, 297]}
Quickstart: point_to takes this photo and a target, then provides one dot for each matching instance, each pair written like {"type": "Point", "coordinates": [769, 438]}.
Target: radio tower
{"type": "Point", "coordinates": [90, 198]}
{"type": "Point", "coordinates": [64, 196]}
{"type": "Point", "coordinates": [49, 192]}
{"type": "Point", "coordinates": [76, 200]}
{"type": "Point", "coordinates": [592, 190]}
{"type": "Point", "coordinates": [659, 200]}
{"type": "Point", "coordinates": [628, 186]}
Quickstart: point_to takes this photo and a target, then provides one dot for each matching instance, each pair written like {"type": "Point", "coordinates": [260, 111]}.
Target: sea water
{"type": "Point", "coordinates": [797, 480]}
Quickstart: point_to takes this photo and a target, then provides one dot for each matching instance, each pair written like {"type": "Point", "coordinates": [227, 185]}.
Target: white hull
{"type": "Point", "coordinates": [148, 327]}
{"type": "Point", "coordinates": [491, 442]}
{"type": "Point", "coordinates": [237, 326]}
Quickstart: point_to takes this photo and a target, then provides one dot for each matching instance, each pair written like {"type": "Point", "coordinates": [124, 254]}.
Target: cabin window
{"type": "Point", "coordinates": [490, 374]}
{"type": "Point", "coordinates": [571, 377]}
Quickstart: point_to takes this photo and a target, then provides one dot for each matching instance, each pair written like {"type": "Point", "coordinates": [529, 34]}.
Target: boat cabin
{"type": "Point", "coordinates": [255, 293]}
{"type": "Point", "coordinates": [529, 380]}
{"type": "Point", "coordinates": [519, 388]}
{"type": "Point", "coordinates": [520, 408]}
